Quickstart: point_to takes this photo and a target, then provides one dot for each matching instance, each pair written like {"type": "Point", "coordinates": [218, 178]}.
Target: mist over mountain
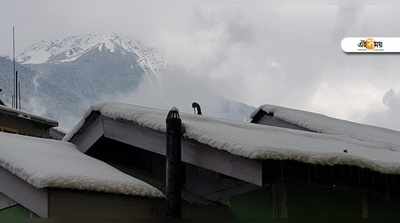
{"type": "Point", "coordinates": [62, 78]}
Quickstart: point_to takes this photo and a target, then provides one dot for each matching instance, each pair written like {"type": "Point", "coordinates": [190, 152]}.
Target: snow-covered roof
{"type": "Point", "coordinates": [262, 142]}
{"type": "Point", "coordinates": [46, 163]}
{"type": "Point", "coordinates": [24, 115]}
{"type": "Point", "coordinates": [382, 137]}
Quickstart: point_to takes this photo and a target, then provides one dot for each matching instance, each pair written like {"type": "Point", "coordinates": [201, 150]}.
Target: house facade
{"type": "Point", "coordinates": [294, 166]}
{"type": "Point", "coordinates": [44, 180]}
{"type": "Point", "coordinates": [22, 123]}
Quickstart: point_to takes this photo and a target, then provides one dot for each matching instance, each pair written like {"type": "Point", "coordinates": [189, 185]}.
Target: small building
{"type": "Point", "coordinates": [19, 122]}
{"type": "Point", "coordinates": [43, 180]}
{"type": "Point", "coordinates": [259, 173]}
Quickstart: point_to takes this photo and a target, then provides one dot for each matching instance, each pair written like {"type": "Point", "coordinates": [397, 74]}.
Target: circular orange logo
{"type": "Point", "coordinates": [370, 44]}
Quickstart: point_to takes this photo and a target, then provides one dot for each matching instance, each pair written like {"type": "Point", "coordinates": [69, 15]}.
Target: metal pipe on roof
{"type": "Point", "coordinates": [19, 93]}
{"type": "Point", "coordinates": [16, 90]}
{"type": "Point", "coordinates": [174, 168]}
{"type": "Point", "coordinates": [14, 101]}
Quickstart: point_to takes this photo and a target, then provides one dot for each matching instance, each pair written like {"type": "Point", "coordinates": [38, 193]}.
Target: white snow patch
{"type": "Point", "coordinates": [382, 137]}
{"type": "Point", "coordinates": [259, 141]}
{"type": "Point", "coordinates": [109, 45]}
{"type": "Point", "coordinates": [49, 163]}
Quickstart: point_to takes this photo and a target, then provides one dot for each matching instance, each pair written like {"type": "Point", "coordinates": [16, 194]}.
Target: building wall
{"type": "Point", "coordinates": [5, 201]}
{"type": "Point", "coordinates": [304, 203]}
{"type": "Point", "coordinates": [316, 203]}
{"type": "Point", "coordinates": [11, 212]}
{"type": "Point", "coordinates": [12, 124]}
{"type": "Point", "coordinates": [15, 214]}
{"type": "Point", "coordinates": [80, 206]}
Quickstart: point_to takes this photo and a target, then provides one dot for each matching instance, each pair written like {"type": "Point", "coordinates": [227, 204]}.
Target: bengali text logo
{"type": "Point", "coordinates": [370, 44]}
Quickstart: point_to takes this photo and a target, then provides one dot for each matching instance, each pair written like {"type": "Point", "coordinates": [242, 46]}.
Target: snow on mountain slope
{"type": "Point", "coordinates": [71, 48]}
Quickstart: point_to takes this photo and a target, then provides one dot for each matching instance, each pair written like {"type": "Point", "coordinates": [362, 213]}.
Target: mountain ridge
{"type": "Point", "coordinates": [71, 48]}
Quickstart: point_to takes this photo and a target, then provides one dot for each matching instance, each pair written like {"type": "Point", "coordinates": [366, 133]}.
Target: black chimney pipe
{"type": "Point", "coordinates": [196, 107]}
{"type": "Point", "coordinates": [16, 90]}
{"type": "Point", "coordinates": [174, 178]}
{"type": "Point", "coordinates": [1, 102]}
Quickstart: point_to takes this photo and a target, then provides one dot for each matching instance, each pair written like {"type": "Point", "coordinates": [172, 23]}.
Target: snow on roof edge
{"type": "Point", "coordinates": [47, 163]}
{"type": "Point", "coordinates": [259, 141]}
{"type": "Point", "coordinates": [320, 123]}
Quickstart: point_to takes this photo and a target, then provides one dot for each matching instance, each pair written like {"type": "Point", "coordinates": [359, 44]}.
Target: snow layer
{"type": "Point", "coordinates": [49, 163]}
{"type": "Point", "coordinates": [262, 142]}
{"type": "Point", "coordinates": [383, 138]}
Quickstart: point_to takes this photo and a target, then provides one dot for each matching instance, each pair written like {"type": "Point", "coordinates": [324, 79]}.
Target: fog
{"type": "Point", "coordinates": [276, 52]}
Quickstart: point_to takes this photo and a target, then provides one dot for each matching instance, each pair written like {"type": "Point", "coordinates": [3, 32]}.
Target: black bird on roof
{"type": "Point", "coordinates": [196, 107]}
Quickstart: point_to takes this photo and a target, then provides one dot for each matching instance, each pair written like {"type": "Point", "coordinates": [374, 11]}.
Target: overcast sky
{"type": "Point", "coordinates": [257, 52]}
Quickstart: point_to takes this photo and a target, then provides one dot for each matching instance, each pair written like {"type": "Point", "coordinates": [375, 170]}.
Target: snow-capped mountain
{"type": "Point", "coordinates": [73, 47]}
{"type": "Point", "coordinates": [77, 71]}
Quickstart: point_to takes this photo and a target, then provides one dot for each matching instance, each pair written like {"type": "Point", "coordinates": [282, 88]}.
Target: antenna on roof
{"type": "Point", "coordinates": [16, 89]}
{"type": "Point", "coordinates": [19, 93]}
{"type": "Point", "coordinates": [16, 97]}
{"type": "Point", "coordinates": [14, 102]}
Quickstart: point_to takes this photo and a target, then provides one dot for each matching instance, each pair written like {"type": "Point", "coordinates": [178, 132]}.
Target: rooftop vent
{"type": "Point", "coordinates": [196, 108]}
